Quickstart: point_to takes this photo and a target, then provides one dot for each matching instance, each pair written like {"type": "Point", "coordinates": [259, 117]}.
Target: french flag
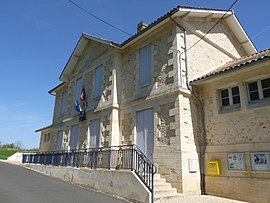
{"type": "Point", "coordinates": [77, 106]}
{"type": "Point", "coordinates": [83, 95]}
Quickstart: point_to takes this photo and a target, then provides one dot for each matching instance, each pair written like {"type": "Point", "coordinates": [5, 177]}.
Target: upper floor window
{"type": "Point", "coordinates": [145, 65]}
{"type": "Point", "coordinates": [63, 103]}
{"type": "Point", "coordinates": [47, 137]}
{"type": "Point", "coordinates": [78, 89]}
{"type": "Point", "coordinates": [230, 96]}
{"type": "Point", "coordinates": [98, 82]}
{"type": "Point", "coordinates": [259, 89]}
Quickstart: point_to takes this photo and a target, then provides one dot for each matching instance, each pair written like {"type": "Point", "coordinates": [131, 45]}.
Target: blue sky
{"type": "Point", "coordinates": [38, 36]}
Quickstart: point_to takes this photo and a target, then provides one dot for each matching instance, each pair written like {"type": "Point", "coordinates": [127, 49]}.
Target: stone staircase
{"type": "Point", "coordinates": [163, 192]}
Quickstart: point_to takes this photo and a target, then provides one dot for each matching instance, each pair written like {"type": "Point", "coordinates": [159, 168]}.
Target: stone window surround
{"type": "Point", "coordinates": [245, 102]}
{"type": "Point", "coordinates": [230, 96]}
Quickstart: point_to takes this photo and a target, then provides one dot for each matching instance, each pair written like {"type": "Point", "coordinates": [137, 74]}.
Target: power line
{"type": "Point", "coordinates": [262, 31]}
{"type": "Point", "coordinates": [212, 26]}
{"type": "Point", "coordinates": [187, 49]}
{"type": "Point", "coordinates": [98, 18]}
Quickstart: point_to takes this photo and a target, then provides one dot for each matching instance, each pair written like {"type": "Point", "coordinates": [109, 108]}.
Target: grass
{"type": "Point", "coordinates": [5, 153]}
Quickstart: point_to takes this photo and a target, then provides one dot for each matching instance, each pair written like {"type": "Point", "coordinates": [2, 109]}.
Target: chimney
{"type": "Point", "coordinates": [141, 26]}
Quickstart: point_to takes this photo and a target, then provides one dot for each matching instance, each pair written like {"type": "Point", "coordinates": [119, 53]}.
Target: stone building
{"type": "Point", "coordinates": [138, 93]}
{"type": "Point", "coordinates": [236, 98]}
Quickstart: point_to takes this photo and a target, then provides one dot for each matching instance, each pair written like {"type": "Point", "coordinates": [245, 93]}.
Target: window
{"type": "Point", "coordinates": [59, 140]}
{"type": "Point", "coordinates": [78, 89]}
{"type": "Point", "coordinates": [98, 82]}
{"type": "Point", "coordinates": [230, 96]}
{"type": "Point", "coordinates": [145, 65]}
{"type": "Point", "coordinates": [47, 137]}
{"type": "Point", "coordinates": [259, 89]}
{"type": "Point", "coordinates": [63, 103]}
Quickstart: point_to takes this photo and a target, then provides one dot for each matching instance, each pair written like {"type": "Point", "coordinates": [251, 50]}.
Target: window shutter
{"type": "Point", "coordinates": [59, 140]}
{"type": "Point", "coordinates": [78, 89]}
{"type": "Point", "coordinates": [74, 137]}
{"type": "Point", "coordinates": [63, 103]}
{"type": "Point", "coordinates": [94, 133]}
{"type": "Point", "coordinates": [145, 65]}
{"type": "Point", "coordinates": [98, 82]}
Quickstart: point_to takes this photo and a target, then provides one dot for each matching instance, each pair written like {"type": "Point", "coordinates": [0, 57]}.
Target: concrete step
{"type": "Point", "coordinates": [159, 180]}
{"type": "Point", "coordinates": [162, 186]}
{"type": "Point", "coordinates": [163, 192]}
{"type": "Point", "coordinates": [169, 199]}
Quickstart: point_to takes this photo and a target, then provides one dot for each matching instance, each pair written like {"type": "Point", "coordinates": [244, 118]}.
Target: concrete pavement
{"type": "Point", "coordinates": [20, 185]}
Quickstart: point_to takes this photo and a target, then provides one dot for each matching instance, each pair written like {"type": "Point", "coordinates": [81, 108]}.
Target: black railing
{"type": "Point", "coordinates": [117, 157]}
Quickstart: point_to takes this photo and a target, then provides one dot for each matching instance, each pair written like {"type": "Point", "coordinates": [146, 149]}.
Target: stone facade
{"type": "Point", "coordinates": [176, 128]}
{"type": "Point", "coordinates": [243, 128]}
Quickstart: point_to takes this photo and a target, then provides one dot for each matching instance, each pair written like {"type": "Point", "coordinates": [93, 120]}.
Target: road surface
{"type": "Point", "coordinates": [20, 185]}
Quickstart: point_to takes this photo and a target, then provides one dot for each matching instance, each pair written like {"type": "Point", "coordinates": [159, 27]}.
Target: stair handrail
{"type": "Point", "coordinates": [128, 157]}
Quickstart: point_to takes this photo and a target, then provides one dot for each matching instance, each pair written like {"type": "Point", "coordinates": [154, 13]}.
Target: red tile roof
{"type": "Point", "coordinates": [236, 64]}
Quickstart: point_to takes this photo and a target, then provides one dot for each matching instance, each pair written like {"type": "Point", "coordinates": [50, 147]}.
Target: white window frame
{"type": "Point", "coordinates": [143, 66]}
{"type": "Point", "coordinates": [260, 90]}
{"type": "Point", "coordinates": [230, 97]}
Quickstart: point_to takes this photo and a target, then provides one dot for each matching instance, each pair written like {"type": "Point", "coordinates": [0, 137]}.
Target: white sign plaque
{"type": "Point", "coordinates": [236, 161]}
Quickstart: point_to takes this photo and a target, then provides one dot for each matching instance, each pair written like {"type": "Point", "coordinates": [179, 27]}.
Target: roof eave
{"type": "Point", "coordinates": [44, 128]}
{"type": "Point", "coordinates": [230, 19]}
{"type": "Point", "coordinates": [78, 50]}
{"type": "Point", "coordinates": [240, 34]}
{"type": "Point", "coordinates": [229, 70]}
{"type": "Point", "coordinates": [56, 88]}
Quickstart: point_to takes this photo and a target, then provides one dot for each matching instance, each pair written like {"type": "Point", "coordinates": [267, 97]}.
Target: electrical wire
{"type": "Point", "coordinates": [262, 31]}
{"type": "Point", "coordinates": [212, 26]}
{"type": "Point", "coordinates": [98, 18]}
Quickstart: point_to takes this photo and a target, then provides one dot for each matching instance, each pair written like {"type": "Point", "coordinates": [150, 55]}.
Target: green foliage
{"type": "Point", "coordinates": [5, 153]}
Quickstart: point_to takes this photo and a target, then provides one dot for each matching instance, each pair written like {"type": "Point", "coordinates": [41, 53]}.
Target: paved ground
{"type": "Point", "coordinates": [19, 185]}
{"type": "Point", "coordinates": [208, 199]}
{"type": "Point", "coordinates": [43, 189]}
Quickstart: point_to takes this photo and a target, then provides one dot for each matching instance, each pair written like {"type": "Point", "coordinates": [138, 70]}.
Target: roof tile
{"type": "Point", "coordinates": [237, 63]}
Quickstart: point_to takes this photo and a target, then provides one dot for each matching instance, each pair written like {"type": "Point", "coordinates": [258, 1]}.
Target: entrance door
{"type": "Point", "coordinates": [74, 137]}
{"type": "Point", "coordinates": [145, 132]}
{"type": "Point", "coordinates": [94, 133]}
{"type": "Point", "coordinates": [59, 140]}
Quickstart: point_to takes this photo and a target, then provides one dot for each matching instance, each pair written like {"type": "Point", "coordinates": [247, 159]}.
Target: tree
{"type": "Point", "coordinates": [18, 144]}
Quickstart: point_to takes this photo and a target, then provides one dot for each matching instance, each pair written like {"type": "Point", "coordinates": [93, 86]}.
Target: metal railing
{"type": "Point", "coordinates": [115, 157]}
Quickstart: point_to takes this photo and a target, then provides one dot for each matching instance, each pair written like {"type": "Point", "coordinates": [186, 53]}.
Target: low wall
{"type": "Point", "coordinates": [16, 157]}
{"type": "Point", "coordinates": [124, 184]}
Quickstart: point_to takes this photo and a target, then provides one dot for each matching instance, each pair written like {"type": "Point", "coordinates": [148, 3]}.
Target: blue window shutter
{"type": "Point", "coordinates": [145, 65]}
{"type": "Point", "coordinates": [74, 137]}
{"type": "Point", "coordinates": [94, 133]}
{"type": "Point", "coordinates": [59, 140]}
{"type": "Point", "coordinates": [78, 89]}
{"type": "Point", "coordinates": [63, 103]}
{"type": "Point", "coordinates": [98, 82]}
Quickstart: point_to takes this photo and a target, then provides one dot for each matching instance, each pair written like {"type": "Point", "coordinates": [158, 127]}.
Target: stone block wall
{"type": "Point", "coordinates": [86, 70]}
{"type": "Point", "coordinates": [164, 68]}
{"type": "Point", "coordinates": [242, 129]}
{"type": "Point", "coordinates": [217, 48]}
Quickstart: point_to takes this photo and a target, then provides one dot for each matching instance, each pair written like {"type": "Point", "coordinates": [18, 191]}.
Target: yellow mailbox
{"type": "Point", "coordinates": [214, 167]}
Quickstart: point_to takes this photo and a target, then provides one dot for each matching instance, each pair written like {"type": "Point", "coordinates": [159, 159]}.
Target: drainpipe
{"type": "Point", "coordinates": [202, 114]}
{"type": "Point", "coordinates": [202, 111]}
